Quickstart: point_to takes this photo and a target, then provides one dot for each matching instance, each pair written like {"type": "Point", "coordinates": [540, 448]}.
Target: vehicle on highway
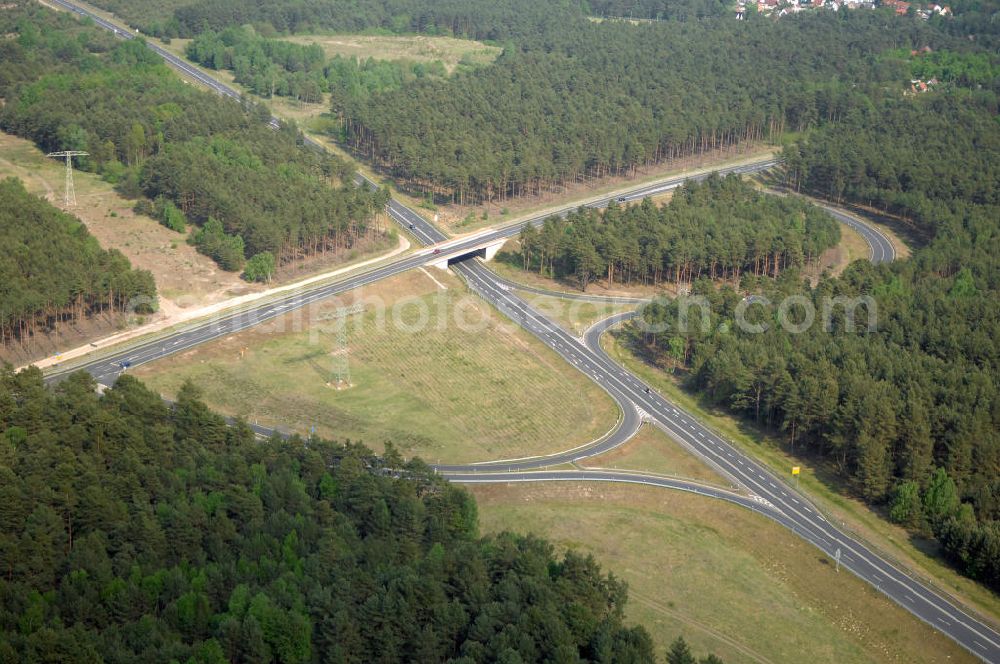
{"type": "Point", "coordinates": [411, 227]}
{"type": "Point", "coordinates": [791, 514]}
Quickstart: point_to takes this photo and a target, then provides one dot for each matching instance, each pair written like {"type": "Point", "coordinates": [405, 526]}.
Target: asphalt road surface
{"type": "Point", "coordinates": [880, 249]}
{"type": "Point", "coordinates": [771, 495]}
{"type": "Point", "coordinates": [108, 367]}
{"type": "Point", "coordinates": [582, 297]}
{"type": "Point", "coordinates": [764, 492]}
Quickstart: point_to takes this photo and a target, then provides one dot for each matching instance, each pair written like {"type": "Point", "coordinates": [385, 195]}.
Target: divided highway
{"type": "Point", "coordinates": [107, 368]}
{"type": "Point", "coordinates": [770, 494]}
{"type": "Point", "coordinates": [766, 493]}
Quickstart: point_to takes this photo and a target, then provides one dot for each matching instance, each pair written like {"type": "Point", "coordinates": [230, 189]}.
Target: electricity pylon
{"type": "Point", "coordinates": [69, 198]}
{"type": "Point", "coordinates": [340, 373]}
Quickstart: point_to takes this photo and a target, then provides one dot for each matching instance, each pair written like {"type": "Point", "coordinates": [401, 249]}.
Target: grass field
{"type": "Point", "coordinates": [448, 51]}
{"type": "Point", "coordinates": [820, 484]}
{"type": "Point", "coordinates": [852, 246]}
{"type": "Point", "coordinates": [652, 451]}
{"type": "Point", "coordinates": [442, 393]}
{"type": "Point", "coordinates": [728, 580]}
{"type": "Point", "coordinates": [835, 260]}
{"type": "Point", "coordinates": [451, 52]}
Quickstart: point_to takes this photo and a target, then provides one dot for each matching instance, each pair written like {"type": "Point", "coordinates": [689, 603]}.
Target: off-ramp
{"type": "Point", "coordinates": [764, 492]}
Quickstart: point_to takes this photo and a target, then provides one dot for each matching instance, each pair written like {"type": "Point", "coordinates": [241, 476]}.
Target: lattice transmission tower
{"type": "Point", "coordinates": [340, 369]}
{"type": "Point", "coordinates": [69, 197]}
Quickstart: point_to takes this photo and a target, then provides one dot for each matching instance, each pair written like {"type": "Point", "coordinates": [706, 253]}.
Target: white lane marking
{"type": "Point", "coordinates": [684, 421]}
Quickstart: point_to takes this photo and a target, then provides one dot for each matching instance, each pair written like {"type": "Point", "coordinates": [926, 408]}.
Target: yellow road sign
{"type": "Point", "coordinates": [795, 470]}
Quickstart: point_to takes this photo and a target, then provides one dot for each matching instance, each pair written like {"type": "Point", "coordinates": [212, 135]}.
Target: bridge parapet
{"type": "Point", "coordinates": [487, 251]}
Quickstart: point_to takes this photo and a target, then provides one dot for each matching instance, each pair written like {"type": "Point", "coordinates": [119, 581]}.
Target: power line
{"type": "Point", "coordinates": [69, 198]}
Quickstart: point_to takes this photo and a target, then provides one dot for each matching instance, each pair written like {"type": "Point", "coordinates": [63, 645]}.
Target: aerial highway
{"type": "Point", "coordinates": [760, 489]}
{"type": "Point", "coordinates": [437, 246]}
{"type": "Point", "coordinates": [783, 503]}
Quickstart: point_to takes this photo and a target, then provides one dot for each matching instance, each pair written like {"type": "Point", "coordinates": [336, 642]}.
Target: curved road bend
{"type": "Point", "coordinates": [974, 635]}
{"type": "Point", "coordinates": [782, 503]}
{"type": "Point", "coordinates": [425, 231]}
{"type": "Point", "coordinates": [105, 370]}
{"type": "Point", "coordinates": [563, 295]}
{"type": "Point", "coordinates": [880, 249]}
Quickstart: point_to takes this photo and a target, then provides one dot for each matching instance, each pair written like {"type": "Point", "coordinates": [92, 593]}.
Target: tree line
{"type": "Point", "coordinates": [132, 530]}
{"type": "Point", "coordinates": [586, 100]}
{"type": "Point", "coordinates": [476, 19]}
{"type": "Point", "coordinates": [274, 67]}
{"type": "Point", "coordinates": [155, 136]}
{"type": "Point", "coordinates": [535, 119]}
{"type": "Point", "coordinates": [718, 229]}
{"type": "Point", "coordinates": [53, 271]}
{"type": "Point", "coordinates": [906, 413]}
{"type": "Point", "coordinates": [660, 10]}
{"type": "Point", "coordinates": [875, 157]}
{"type": "Point", "coordinates": [538, 118]}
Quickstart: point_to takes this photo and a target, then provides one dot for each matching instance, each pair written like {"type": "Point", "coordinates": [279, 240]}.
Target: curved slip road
{"type": "Point", "coordinates": [625, 477]}
{"type": "Point", "coordinates": [107, 368]}
{"type": "Point", "coordinates": [563, 295]}
{"type": "Point", "coordinates": [776, 499]}
{"type": "Point", "coordinates": [771, 495]}
{"type": "Point", "coordinates": [880, 249]}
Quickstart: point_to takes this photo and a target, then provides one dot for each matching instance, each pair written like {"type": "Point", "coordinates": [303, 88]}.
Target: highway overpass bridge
{"type": "Point", "coordinates": [780, 500]}
{"type": "Point", "coordinates": [446, 253]}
